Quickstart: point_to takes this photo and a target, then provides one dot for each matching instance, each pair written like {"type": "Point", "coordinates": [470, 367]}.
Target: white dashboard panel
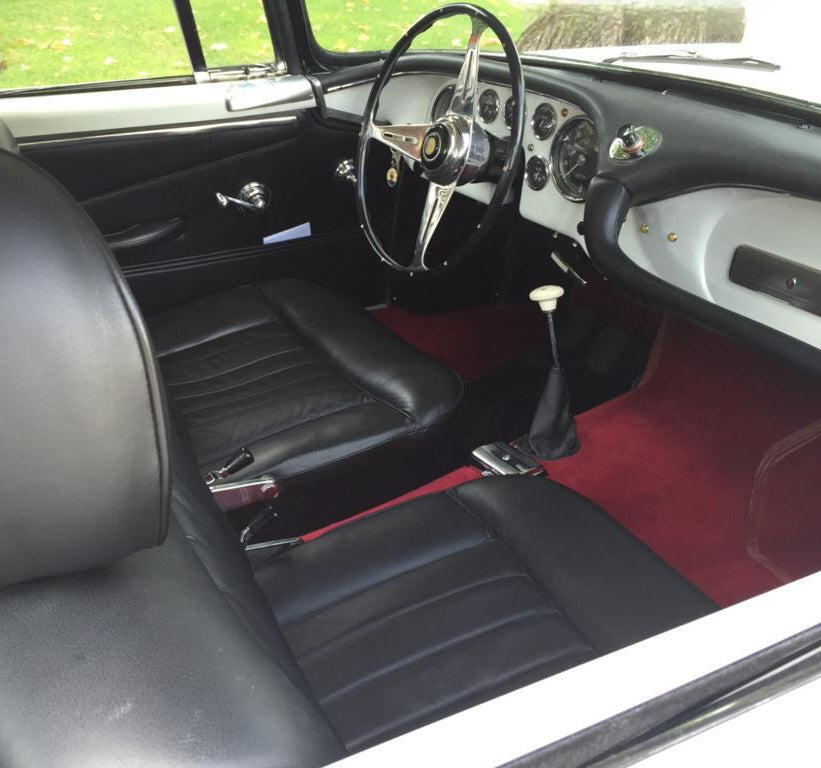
{"type": "Point", "coordinates": [706, 226]}
{"type": "Point", "coordinates": [410, 98]}
{"type": "Point", "coordinates": [689, 241]}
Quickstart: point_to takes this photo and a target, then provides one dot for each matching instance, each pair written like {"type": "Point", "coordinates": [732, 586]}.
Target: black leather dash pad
{"type": "Point", "coordinates": [778, 277]}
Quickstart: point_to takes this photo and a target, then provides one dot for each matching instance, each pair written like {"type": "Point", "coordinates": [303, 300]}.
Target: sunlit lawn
{"type": "Point", "coordinates": [75, 41]}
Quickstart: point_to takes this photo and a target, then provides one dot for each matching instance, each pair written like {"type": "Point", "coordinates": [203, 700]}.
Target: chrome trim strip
{"type": "Point", "coordinates": [164, 131]}
{"type": "Point", "coordinates": [369, 80]}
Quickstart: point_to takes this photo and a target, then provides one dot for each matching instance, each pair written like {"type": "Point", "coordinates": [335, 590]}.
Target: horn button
{"type": "Point", "coordinates": [452, 152]}
{"type": "Point", "coordinates": [435, 147]}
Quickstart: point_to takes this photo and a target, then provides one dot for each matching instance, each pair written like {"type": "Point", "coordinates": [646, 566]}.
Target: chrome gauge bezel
{"type": "Point", "coordinates": [546, 165]}
{"type": "Point", "coordinates": [554, 121]}
{"type": "Point", "coordinates": [504, 114]}
{"type": "Point", "coordinates": [488, 93]}
{"type": "Point", "coordinates": [558, 179]}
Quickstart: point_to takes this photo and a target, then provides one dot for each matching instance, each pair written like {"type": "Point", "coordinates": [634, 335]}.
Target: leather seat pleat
{"type": "Point", "coordinates": [246, 369]}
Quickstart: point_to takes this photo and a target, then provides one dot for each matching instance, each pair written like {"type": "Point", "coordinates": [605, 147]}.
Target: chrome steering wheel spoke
{"type": "Point", "coordinates": [405, 139]}
{"type": "Point", "coordinates": [437, 200]}
{"type": "Point", "coordinates": [467, 84]}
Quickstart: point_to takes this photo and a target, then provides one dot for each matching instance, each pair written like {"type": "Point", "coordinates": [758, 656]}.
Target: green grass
{"type": "Point", "coordinates": [80, 41]}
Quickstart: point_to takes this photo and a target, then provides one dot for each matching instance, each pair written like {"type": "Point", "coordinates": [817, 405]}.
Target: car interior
{"type": "Point", "coordinates": [541, 383]}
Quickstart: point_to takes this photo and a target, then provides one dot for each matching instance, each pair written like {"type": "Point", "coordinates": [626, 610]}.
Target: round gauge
{"type": "Point", "coordinates": [488, 105]}
{"type": "Point", "coordinates": [574, 157]}
{"type": "Point", "coordinates": [442, 103]}
{"type": "Point", "coordinates": [544, 121]}
{"type": "Point", "coordinates": [509, 112]}
{"type": "Point", "coordinates": [536, 173]}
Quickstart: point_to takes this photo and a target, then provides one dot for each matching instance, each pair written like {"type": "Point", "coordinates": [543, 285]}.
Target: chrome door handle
{"type": "Point", "coordinates": [252, 197]}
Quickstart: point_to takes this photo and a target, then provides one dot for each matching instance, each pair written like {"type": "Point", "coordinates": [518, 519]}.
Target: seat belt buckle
{"type": "Point", "coordinates": [241, 459]}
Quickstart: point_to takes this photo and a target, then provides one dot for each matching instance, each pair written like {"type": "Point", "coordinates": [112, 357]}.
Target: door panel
{"type": "Point", "coordinates": [154, 185]}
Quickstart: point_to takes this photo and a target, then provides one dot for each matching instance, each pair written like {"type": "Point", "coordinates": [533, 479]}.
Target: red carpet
{"type": "Point", "coordinates": [712, 461]}
{"type": "Point", "coordinates": [677, 460]}
{"type": "Point", "coordinates": [473, 342]}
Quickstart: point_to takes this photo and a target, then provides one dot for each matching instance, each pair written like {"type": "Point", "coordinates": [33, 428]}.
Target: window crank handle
{"type": "Point", "coordinates": [252, 197]}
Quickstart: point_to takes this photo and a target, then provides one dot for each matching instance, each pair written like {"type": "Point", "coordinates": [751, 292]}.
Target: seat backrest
{"type": "Point", "coordinates": [118, 643]}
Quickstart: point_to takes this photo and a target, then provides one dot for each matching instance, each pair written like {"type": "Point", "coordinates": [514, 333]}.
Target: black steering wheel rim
{"type": "Point", "coordinates": [510, 167]}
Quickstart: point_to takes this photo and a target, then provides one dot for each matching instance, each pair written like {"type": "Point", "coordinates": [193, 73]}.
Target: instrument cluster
{"type": "Point", "coordinates": [561, 144]}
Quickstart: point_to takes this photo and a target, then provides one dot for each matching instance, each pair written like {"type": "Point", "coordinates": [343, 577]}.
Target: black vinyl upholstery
{"type": "Point", "coordinates": [71, 421]}
{"type": "Point", "coordinates": [299, 375]}
{"type": "Point", "coordinates": [420, 611]}
{"type": "Point", "coordinates": [123, 645]}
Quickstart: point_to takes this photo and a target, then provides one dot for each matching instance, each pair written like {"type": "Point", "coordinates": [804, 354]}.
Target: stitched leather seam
{"type": "Point", "coordinates": [236, 368]}
{"type": "Point", "coordinates": [537, 583]}
{"type": "Point", "coordinates": [205, 423]}
{"type": "Point", "coordinates": [321, 352]}
{"type": "Point", "coordinates": [398, 575]}
{"type": "Point", "coordinates": [449, 492]}
{"type": "Point", "coordinates": [219, 337]}
{"type": "Point", "coordinates": [409, 434]}
{"type": "Point", "coordinates": [380, 620]}
{"type": "Point", "coordinates": [438, 648]}
{"type": "Point", "coordinates": [260, 392]}
{"type": "Point", "coordinates": [245, 381]}
{"type": "Point", "coordinates": [423, 715]}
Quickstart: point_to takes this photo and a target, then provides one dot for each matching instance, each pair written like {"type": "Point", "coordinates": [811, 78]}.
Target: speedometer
{"type": "Point", "coordinates": [574, 157]}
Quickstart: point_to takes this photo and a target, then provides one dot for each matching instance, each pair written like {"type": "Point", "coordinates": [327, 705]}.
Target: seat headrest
{"type": "Point", "coordinates": [83, 450]}
{"type": "Point", "coordinates": [7, 140]}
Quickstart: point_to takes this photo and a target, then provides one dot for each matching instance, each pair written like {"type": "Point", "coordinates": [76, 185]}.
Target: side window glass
{"type": "Point", "coordinates": [234, 33]}
{"type": "Point", "coordinates": [77, 42]}
{"type": "Point", "coordinates": [66, 42]}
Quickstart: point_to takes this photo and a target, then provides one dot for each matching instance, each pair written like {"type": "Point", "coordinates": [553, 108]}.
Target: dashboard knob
{"type": "Point", "coordinates": [632, 141]}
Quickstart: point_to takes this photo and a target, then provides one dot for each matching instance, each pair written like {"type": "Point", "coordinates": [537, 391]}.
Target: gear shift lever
{"type": "Point", "coordinates": [548, 297]}
{"type": "Point", "coordinates": [553, 431]}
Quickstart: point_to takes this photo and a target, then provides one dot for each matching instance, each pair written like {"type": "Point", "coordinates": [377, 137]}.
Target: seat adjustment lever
{"type": "Point", "coordinates": [241, 459]}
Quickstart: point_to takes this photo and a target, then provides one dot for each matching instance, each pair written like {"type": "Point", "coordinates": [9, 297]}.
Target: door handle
{"type": "Point", "coordinates": [145, 234]}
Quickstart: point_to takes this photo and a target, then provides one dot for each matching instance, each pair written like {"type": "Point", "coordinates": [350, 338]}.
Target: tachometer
{"type": "Point", "coordinates": [574, 157]}
{"type": "Point", "coordinates": [442, 103]}
{"type": "Point", "coordinates": [488, 105]}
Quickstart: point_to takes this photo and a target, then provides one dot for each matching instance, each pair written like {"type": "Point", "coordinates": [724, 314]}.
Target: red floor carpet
{"type": "Point", "coordinates": [473, 341]}
{"type": "Point", "coordinates": [713, 461]}
{"type": "Point", "coordinates": [710, 462]}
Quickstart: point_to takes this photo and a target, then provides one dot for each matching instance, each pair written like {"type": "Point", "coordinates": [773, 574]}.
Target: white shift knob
{"type": "Point", "coordinates": [548, 296]}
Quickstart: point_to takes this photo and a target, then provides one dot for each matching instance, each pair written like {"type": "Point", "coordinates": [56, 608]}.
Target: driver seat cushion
{"type": "Point", "coordinates": [302, 377]}
{"type": "Point", "coordinates": [436, 605]}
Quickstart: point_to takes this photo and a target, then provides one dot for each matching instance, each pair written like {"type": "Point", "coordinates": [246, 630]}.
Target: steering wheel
{"type": "Point", "coordinates": [451, 151]}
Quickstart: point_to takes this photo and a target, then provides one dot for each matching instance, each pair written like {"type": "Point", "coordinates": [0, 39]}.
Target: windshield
{"type": "Point", "coordinates": [754, 44]}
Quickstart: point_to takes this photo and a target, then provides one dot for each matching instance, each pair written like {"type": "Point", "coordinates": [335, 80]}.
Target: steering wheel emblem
{"type": "Point", "coordinates": [432, 147]}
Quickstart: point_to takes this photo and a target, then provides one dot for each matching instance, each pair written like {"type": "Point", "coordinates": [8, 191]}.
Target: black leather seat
{"type": "Point", "coordinates": [423, 610]}
{"type": "Point", "coordinates": [304, 378]}
{"type": "Point", "coordinates": [134, 628]}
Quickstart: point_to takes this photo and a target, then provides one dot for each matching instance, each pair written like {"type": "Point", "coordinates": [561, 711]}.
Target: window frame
{"type": "Point", "coordinates": [200, 72]}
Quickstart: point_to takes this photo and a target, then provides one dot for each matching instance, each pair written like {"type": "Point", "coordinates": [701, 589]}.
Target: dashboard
{"type": "Point", "coordinates": [720, 222]}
